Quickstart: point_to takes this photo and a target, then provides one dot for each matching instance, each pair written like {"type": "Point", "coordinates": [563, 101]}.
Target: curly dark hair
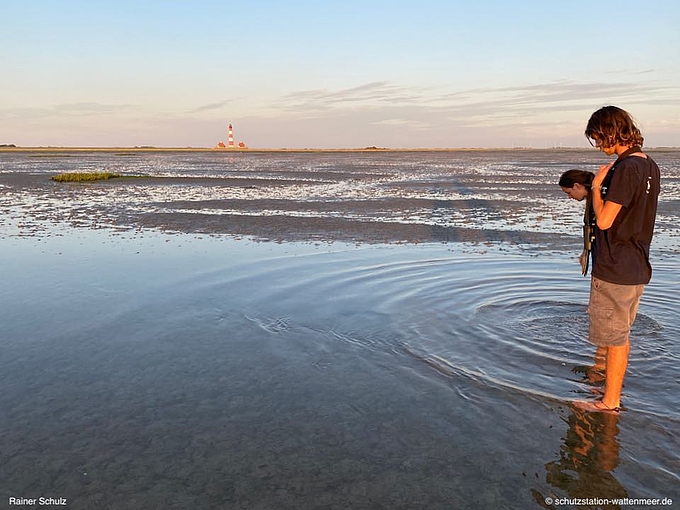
{"type": "Point", "coordinates": [611, 125]}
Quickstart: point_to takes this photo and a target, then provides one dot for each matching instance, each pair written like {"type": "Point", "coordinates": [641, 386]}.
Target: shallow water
{"type": "Point", "coordinates": [150, 370]}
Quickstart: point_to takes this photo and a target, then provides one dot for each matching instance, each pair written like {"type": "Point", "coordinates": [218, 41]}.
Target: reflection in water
{"type": "Point", "coordinates": [587, 457]}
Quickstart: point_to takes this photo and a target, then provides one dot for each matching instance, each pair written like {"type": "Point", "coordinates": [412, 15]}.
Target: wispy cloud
{"type": "Point", "coordinates": [495, 106]}
{"type": "Point", "coordinates": [535, 111]}
{"type": "Point", "coordinates": [369, 94]}
{"type": "Point", "coordinates": [557, 92]}
{"type": "Point", "coordinates": [634, 72]}
{"type": "Point", "coordinates": [65, 110]}
{"type": "Point", "coordinates": [490, 101]}
{"type": "Point", "coordinates": [412, 124]}
{"type": "Point", "coordinates": [210, 107]}
{"type": "Point", "coordinates": [373, 113]}
{"type": "Point", "coordinates": [87, 108]}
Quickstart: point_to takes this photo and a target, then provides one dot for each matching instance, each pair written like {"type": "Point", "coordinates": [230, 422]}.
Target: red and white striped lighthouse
{"type": "Point", "coordinates": [231, 136]}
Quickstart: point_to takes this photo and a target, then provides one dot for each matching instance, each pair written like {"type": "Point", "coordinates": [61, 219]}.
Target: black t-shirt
{"type": "Point", "coordinates": [621, 253]}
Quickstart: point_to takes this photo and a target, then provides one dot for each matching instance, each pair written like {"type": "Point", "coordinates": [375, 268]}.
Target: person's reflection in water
{"type": "Point", "coordinates": [588, 456]}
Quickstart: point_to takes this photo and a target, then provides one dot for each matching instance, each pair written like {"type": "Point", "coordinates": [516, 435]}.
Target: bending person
{"type": "Point", "coordinates": [577, 185]}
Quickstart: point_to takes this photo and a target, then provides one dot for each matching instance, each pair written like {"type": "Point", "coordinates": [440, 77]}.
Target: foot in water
{"type": "Point", "coordinates": [597, 406]}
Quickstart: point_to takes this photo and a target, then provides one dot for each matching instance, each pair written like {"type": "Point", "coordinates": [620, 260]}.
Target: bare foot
{"type": "Point", "coordinates": [596, 407]}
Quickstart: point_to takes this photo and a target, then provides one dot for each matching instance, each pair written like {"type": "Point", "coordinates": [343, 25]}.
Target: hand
{"type": "Point", "coordinates": [583, 260]}
{"type": "Point", "coordinates": [601, 174]}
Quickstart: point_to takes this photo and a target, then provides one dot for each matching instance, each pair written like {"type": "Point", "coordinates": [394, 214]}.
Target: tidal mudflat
{"type": "Point", "coordinates": [319, 331]}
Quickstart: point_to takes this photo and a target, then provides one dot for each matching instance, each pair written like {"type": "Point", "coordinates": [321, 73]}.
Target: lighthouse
{"type": "Point", "coordinates": [230, 141]}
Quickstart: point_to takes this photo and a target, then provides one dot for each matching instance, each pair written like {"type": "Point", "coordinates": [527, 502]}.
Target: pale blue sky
{"type": "Point", "coordinates": [334, 74]}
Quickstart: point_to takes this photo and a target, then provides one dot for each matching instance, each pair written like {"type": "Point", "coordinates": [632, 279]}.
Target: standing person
{"type": "Point", "coordinates": [625, 194]}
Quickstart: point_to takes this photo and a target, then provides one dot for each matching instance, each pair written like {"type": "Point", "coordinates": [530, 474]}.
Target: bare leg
{"type": "Point", "coordinates": [617, 363]}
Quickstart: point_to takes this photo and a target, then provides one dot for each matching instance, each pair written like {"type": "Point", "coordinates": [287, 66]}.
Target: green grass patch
{"type": "Point", "coordinates": [84, 176]}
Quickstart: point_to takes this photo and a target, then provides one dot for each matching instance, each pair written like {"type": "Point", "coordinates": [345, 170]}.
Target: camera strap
{"type": "Point", "coordinates": [588, 233]}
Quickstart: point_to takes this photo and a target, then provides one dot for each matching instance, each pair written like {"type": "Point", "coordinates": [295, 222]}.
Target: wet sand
{"type": "Point", "coordinates": [158, 354]}
{"type": "Point", "coordinates": [376, 204]}
{"type": "Point", "coordinates": [408, 215]}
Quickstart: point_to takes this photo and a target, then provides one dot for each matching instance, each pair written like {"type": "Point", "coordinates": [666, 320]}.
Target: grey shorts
{"type": "Point", "coordinates": [612, 309]}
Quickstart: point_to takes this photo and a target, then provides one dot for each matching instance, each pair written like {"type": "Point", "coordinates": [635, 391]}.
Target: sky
{"type": "Point", "coordinates": [334, 74]}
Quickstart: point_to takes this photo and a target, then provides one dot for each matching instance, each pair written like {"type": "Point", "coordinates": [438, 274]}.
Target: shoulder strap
{"type": "Point", "coordinates": [632, 150]}
{"type": "Point", "coordinates": [588, 233]}
{"type": "Point", "coordinates": [622, 156]}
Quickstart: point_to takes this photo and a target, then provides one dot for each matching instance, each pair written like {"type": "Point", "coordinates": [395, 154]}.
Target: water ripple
{"type": "Point", "coordinates": [511, 323]}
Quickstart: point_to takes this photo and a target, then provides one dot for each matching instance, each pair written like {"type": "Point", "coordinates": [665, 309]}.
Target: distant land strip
{"type": "Point", "coordinates": [207, 149]}
{"type": "Point", "coordinates": [9, 148]}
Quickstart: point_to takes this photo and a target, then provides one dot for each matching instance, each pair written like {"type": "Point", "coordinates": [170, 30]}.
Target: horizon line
{"type": "Point", "coordinates": [151, 148]}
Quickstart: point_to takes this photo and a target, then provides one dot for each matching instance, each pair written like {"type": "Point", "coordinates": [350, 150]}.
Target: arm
{"type": "Point", "coordinates": [605, 212]}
